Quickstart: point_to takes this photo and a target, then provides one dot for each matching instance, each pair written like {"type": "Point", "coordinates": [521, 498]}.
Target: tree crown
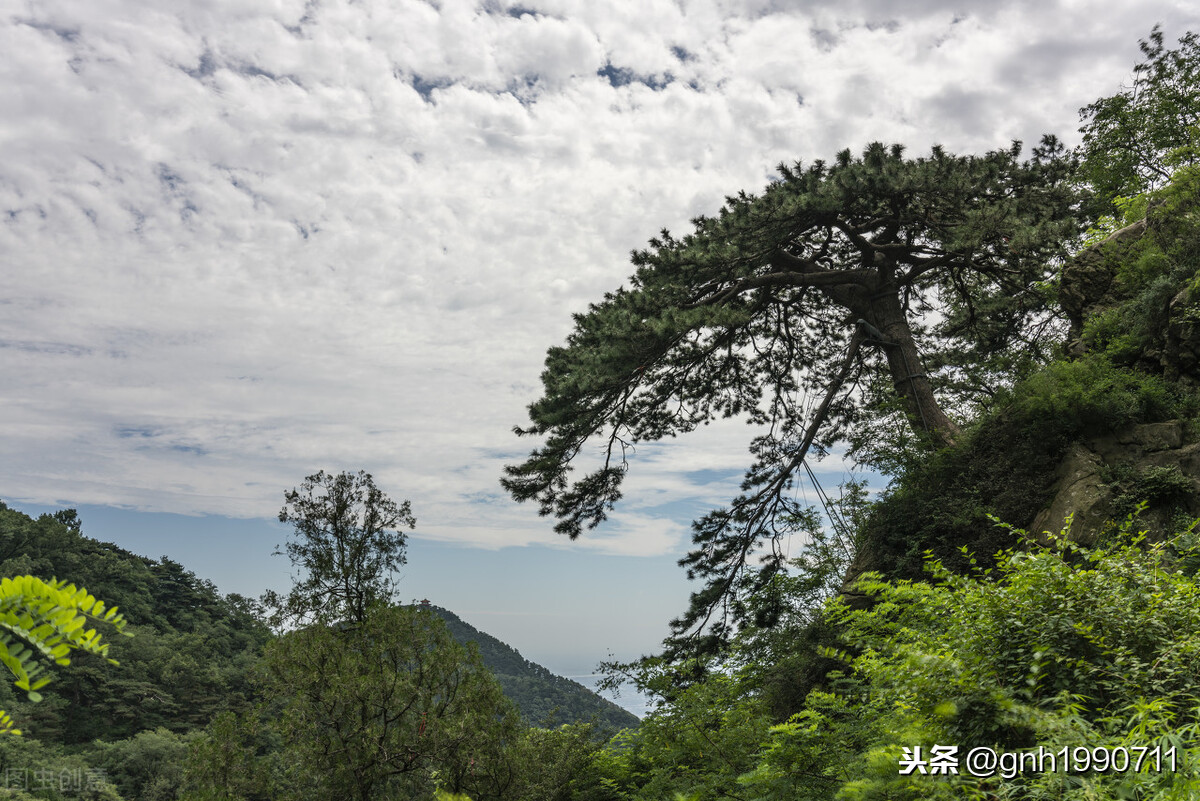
{"type": "Point", "coordinates": [1134, 139]}
{"type": "Point", "coordinates": [827, 286]}
{"type": "Point", "coordinates": [348, 539]}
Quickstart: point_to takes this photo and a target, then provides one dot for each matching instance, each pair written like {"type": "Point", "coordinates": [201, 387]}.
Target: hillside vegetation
{"type": "Point", "coordinates": [190, 668]}
{"type": "Point", "coordinates": [540, 695]}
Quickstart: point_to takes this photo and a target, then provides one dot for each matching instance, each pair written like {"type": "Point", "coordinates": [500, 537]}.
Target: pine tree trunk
{"type": "Point", "coordinates": [924, 413]}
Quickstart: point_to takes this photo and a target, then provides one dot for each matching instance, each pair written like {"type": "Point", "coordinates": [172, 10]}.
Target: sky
{"type": "Point", "coordinates": [245, 240]}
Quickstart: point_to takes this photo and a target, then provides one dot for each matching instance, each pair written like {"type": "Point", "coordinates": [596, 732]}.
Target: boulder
{"type": "Point", "coordinates": [1088, 281]}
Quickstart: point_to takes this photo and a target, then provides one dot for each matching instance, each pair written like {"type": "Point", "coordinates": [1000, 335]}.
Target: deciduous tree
{"type": "Point", "coordinates": [1133, 140]}
{"type": "Point", "coordinates": [348, 540]}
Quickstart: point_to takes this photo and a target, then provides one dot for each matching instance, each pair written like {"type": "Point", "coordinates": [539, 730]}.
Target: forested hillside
{"type": "Point", "coordinates": [194, 655]}
{"type": "Point", "coordinates": [540, 695]}
{"type": "Point", "coordinates": [191, 654]}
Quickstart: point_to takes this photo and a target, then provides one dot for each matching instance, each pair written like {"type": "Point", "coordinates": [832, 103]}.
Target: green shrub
{"type": "Point", "coordinates": [1005, 464]}
{"type": "Point", "coordinates": [1153, 486]}
{"type": "Point", "coordinates": [1089, 395]}
{"type": "Point", "coordinates": [1057, 646]}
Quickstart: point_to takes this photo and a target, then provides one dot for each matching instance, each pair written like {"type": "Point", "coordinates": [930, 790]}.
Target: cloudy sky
{"type": "Point", "coordinates": [243, 240]}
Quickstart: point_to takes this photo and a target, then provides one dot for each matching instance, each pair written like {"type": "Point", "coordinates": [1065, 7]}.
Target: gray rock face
{"type": "Point", "coordinates": [1080, 492]}
{"type": "Point", "coordinates": [1181, 352]}
{"type": "Point", "coordinates": [1087, 283]}
{"type": "Point", "coordinates": [1101, 478]}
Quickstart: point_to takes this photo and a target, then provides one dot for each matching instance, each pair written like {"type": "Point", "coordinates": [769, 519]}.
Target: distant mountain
{"type": "Point", "coordinates": [539, 694]}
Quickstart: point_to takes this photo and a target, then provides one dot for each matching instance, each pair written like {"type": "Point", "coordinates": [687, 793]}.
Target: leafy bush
{"type": "Point", "coordinates": [1153, 485]}
{"type": "Point", "coordinates": [148, 766]}
{"type": "Point", "coordinates": [1089, 395]}
{"type": "Point", "coordinates": [1059, 646]}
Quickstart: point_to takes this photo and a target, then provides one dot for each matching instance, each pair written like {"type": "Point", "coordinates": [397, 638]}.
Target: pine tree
{"type": "Point", "coordinates": [837, 280]}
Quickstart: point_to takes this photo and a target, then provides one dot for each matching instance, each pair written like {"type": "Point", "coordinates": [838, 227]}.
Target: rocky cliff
{"type": "Point", "coordinates": [1113, 424]}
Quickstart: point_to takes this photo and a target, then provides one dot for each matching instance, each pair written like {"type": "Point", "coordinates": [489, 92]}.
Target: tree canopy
{"type": "Point", "coordinates": [349, 541]}
{"type": "Point", "coordinates": [1133, 140]}
{"type": "Point", "coordinates": [389, 707]}
{"type": "Point", "coordinates": [47, 620]}
{"type": "Point", "coordinates": [841, 294]}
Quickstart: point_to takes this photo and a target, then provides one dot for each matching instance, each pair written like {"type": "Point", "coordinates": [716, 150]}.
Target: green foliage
{"type": "Point", "coordinates": [1134, 139]}
{"type": "Point", "coordinates": [1055, 646]}
{"type": "Point", "coordinates": [234, 757]}
{"type": "Point", "coordinates": [390, 705]}
{"type": "Point", "coordinates": [47, 546]}
{"type": "Point", "coordinates": [1153, 485]}
{"type": "Point", "coordinates": [1089, 395]}
{"type": "Point", "coordinates": [127, 726]}
{"type": "Point", "coordinates": [696, 745]}
{"type": "Point", "coordinates": [721, 735]}
{"type": "Point", "coordinates": [47, 620]}
{"type": "Point", "coordinates": [1150, 292]}
{"type": "Point", "coordinates": [349, 544]}
{"type": "Point", "coordinates": [1126, 333]}
{"type": "Point", "coordinates": [35, 770]}
{"type": "Point", "coordinates": [1127, 211]}
{"type": "Point", "coordinates": [555, 765]}
{"type": "Point", "coordinates": [815, 752]}
{"type": "Point", "coordinates": [148, 766]}
{"type": "Point", "coordinates": [1059, 645]}
{"type": "Point", "coordinates": [144, 726]}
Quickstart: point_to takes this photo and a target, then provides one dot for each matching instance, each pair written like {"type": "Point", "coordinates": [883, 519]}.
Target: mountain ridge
{"type": "Point", "coordinates": [542, 696]}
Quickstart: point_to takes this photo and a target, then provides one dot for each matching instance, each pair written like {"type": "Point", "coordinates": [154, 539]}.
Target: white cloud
{"type": "Point", "coordinates": [247, 240]}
